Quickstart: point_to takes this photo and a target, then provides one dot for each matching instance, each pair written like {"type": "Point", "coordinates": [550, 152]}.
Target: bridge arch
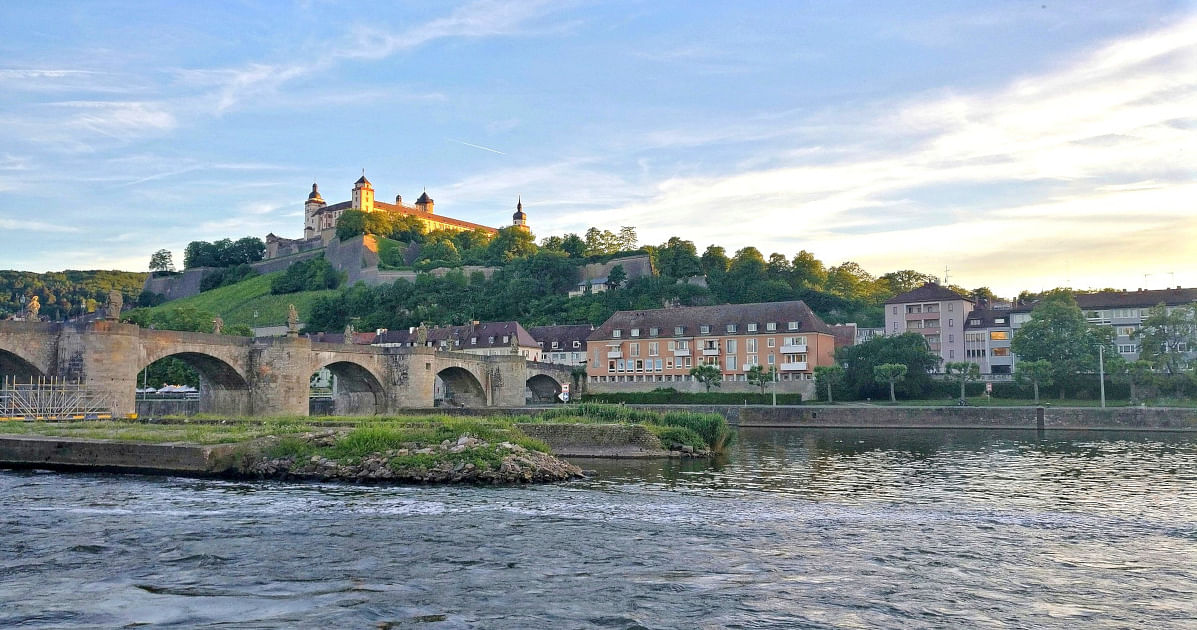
{"type": "Point", "coordinates": [358, 390]}
{"type": "Point", "coordinates": [460, 388]}
{"type": "Point", "coordinates": [542, 388]}
{"type": "Point", "coordinates": [223, 389]}
{"type": "Point", "coordinates": [14, 366]}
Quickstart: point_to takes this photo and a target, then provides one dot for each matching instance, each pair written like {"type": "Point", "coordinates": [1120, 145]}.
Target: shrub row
{"type": "Point", "coordinates": [665, 397]}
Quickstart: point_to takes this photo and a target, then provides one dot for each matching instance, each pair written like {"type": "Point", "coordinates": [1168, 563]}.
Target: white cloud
{"type": "Point", "coordinates": [26, 225]}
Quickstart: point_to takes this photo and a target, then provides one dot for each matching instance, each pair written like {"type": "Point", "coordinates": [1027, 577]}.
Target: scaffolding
{"type": "Point", "coordinates": [50, 398]}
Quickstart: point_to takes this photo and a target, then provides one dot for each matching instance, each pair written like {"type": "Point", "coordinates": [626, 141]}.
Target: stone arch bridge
{"type": "Point", "coordinates": [270, 376]}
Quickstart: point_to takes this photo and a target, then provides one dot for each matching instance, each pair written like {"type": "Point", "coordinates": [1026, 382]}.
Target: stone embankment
{"type": "Point", "coordinates": [468, 460]}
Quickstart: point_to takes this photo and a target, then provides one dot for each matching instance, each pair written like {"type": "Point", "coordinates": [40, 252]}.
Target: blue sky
{"type": "Point", "coordinates": [1023, 144]}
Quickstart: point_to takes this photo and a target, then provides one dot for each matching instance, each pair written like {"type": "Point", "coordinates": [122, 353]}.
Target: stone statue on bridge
{"type": "Point", "coordinates": [292, 321]}
{"type": "Point", "coordinates": [348, 334]}
{"type": "Point", "coordinates": [217, 325]}
{"type": "Point", "coordinates": [116, 302]}
{"type": "Point", "coordinates": [515, 343]}
{"type": "Point", "coordinates": [422, 335]}
{"type": "Point", "coordinates": [34, 307]}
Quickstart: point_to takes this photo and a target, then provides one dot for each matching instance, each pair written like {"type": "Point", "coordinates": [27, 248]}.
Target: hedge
{"type": "Point", "coordinates": [699, 398]}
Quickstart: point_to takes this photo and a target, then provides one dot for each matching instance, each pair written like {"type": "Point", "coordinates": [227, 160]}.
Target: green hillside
{"type": "Point", "coordinates": [236, 304]}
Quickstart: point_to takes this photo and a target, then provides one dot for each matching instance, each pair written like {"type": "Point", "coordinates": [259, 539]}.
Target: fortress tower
{"type": "Point", "coordinates": [520, 219]}
{"type": "Point", "coordinates": [363, 195]}
{"type": "Point", "coordinates": [311, 222]}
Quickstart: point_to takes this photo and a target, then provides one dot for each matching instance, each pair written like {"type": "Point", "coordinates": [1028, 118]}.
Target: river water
{"type": "Point", "coordinates": [798, 529]}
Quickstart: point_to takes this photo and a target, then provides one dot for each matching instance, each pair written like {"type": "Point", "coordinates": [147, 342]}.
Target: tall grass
{"type": "Point", "coordinates": [712, 428]}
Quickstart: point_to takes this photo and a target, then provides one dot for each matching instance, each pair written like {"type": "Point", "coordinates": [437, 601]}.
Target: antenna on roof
{"type": "Point", "coordinates": [946, 269]}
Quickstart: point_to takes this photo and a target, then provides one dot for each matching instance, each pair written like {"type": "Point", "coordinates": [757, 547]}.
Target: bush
{"type": "Point", "coordinates": [226, 277]}
{"type": "Point", "coordinates": [314, 274]}
{"type": "Point", "coordinates": [678, 435]}
{"type": "Point", "coordinates": [711, 429]}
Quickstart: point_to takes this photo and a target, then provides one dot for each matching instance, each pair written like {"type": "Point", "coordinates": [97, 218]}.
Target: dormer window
{"type": "Point", "coordinates": [554, 345]}
{"type": "Point", "coordinates": [617, 333]}
{"type": "Point", "coordinates": [771, 326]}
{"type": "Point", "coordinates": [577, 344]}
{"type": "Point", "coordinates": [731, 328]}
{"type": "Point", "coordinates": [792, 325]}
{"type": "Point", "coordinates": [473, 341]}
{"type": "Point", "coordinates": [999, 320]}
{"type": "Point", "coordinates": [679, 330]}
{"type": "Point", "coordinates": [506, 339]}
{"type": "Point", "coordinates": [635, 332]}
{"type": "Point", "coordinates": [653, 332]}
{"type": "Point", "coordinates": [704, 329]}
{"type": "Point", "coordinates": [752, 328]}
{"type": "Point", "coordinates": [490, 339]}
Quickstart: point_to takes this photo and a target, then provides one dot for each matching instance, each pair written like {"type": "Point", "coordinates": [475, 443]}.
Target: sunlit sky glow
{"type": "Point", "coordinates": [1025, 145]}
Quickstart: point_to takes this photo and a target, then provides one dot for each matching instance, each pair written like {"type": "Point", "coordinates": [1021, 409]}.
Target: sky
{"type": "Point", "coordinates": [1015, 145]}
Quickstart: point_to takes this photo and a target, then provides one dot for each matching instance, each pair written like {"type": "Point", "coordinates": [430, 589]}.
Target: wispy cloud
{"type": "Point", "coordinates": [477, 146]}
{"type": "Point", "coordinates": [27, 225]}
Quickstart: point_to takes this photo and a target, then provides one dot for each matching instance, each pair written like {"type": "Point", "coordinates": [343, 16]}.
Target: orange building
{"type": "Point", "coordinates": [662, 345]}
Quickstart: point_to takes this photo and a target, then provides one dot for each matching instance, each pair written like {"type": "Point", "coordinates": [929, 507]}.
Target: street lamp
{"type": "Point", "coordinates": [1101, 372]}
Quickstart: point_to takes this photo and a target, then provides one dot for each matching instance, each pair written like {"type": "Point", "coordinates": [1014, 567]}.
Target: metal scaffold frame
{"type": "Point", "coordinates": [49, 398]}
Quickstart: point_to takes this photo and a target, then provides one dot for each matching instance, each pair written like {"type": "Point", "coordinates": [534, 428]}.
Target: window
{"type": "Point", "coordinates": [914, 308]}
{"type": "Point", "coordinates": [771, 342]}
{"type": "Point", "coordinates": [792, 326]}
{"type": "Point", "coordinates": [1126, 331]}
{"type": "Point", "coordinates": [635, 332]}
{"type": "Point", "coordinates": [750, 360]}
{"type": "Point", "coordinates": [771, 359]}
{"type": "Point", "coordinates": [771, 326]}
{"type": "Point", "coordinates": [951, 354]}
{"type": "Point", "coordinates": [895, 310]}
{"type": "Point", "coordinates": [554, 345]}
{"type": "Point", "coordinates": [678, 330]}
{"type": "Point", "coordinates": [633, 349]}
{"type": "Point", "coordinates": [704, 329]}
{"type": "Point", "coordinates": [639, 365]}
{"type": "Point", "coordinates": [750, 345]}
{"type": "Point", "coordinates": [652, 349]}
{"type": "Point", "coordinates": [671, 346]}
{"type": "Point", "coordinates": [473, 341]}
{"type": "Point", "coordinates": [688, 363]}
{"type": "Point", "coordinates": [506, 339]}
{"type": "Point", "coordinates": [951, 322]}
{"type": "Point", "coordinates": [999, 320]}
{"type": "Point", "coordinates": [951, 338]}
{"type": "Point", "coordinates": [669, 364]}
{"type": "Point", "coordinates": [752, 328]}
{"type": "Point", "coordinates": [731, 328]}
{"type": "Point", "coordinates": [617, 333]}
{"type": "Point", "coordinates": [620, 365]}
{"type": "Point", "coordinates": [683, 345]}
{"type": "Point", "coordinates": [951, 307]}
{"type": "Point", "coordinates": [577, 344]}
{"type": "Point", "coordinates": [731, 363]}
{"type": "Point", "coordinates": [1127, 348]}
{"type": "Point", "coordinates": [976, 322]}
{"type": "Point", "coordinates": [653, 332]}
{"type": "Point", "coordinates": [999, 352]}
{"type": "Point", "coordinates": [731, 346]}
{"type": "Point", "coordinates": [658, 365]}
{"type": "Point", "coordinates": [611, 366]}
{"type": "Point", "coordinates": [490, 339]}
{"type": "Point", "coordinates": [1000, 335]}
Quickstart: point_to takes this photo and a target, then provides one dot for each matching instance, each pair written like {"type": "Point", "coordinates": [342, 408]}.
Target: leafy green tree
{"type": "Point", "coordinates": [909, 349]}
{"type": "Point", "coordinates": [1059, 333]}
{"type": "Point", "coordinates": [897, 282]}
{"type": "Point", "coordinates": [983, 293]}
{"type": "Point", "coordinates": [1138, 373]}
{"type": "Point", "coordinates": [829, 376]}
{"type": "Point", "coordinates": [714, 261]}
{"type": "Point", "coordinates": [850, 280]}
{"type": "Point", "coordinates": [440, 254]}
{"type": "Point", "coordinates": [1167, 334]}
{"type": "Point", "coordinates": [759, 376]}
{"type": "Point", "coordinates": [162, 261]}
{"type": "Point", "coordinates": [708, 375]}
{"type": "Point", "coordinates": [509, 244]}
{"type": "Point", "coordinates": [889, 373]}
{"type": "Point", "coordinates": [677, 258]}
{"type": "Point", "coordinates": [616, 277]}
{"type": "Point", "coordinates": [573, 245]}
{"type": "Point", "coordinates": [962, 372]}
{"type": "Point", "coordinates": [808, 271]}
{"type": "Point", "coordinates": [627, 239]}
{"type": "Point", "coordinates": [1035, 373]}
{"type": "Point", "coordinates": [602, 242]}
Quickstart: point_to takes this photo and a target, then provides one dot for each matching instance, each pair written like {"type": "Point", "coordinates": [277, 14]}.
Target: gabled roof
{"type": "Point", "coordinates": [565, 336]}
{"type": "Point", "coordinates": [362, 181]}
{"type": "Point", "coordinates": [986, 318]}
{"type": "Point", "coordinates": [1128, 299]}
{"type": "Point", "coordinates": [690, 318]}
{"type": "Point", "coordinates": [929, 292]}
{"type": "Point", "coordinates": [457, 338]}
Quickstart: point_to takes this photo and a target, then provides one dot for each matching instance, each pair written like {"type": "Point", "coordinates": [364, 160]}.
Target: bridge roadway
{"type": "Point", "coordinates": [268, 376]}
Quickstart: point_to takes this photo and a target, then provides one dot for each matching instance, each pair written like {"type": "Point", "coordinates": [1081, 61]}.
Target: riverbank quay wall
{"type": "Point", "coordinates": [242, 376]}
{"type": "Point", "coordinates": [878, 417]}
{"type": "Point", "coordinates": [110, 456]}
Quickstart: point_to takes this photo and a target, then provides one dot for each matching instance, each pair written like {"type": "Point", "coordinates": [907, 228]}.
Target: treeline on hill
{"type": "Point", "coordinates": [314, 274]}
{"type": "Point", "coordinates": [532, 282]}
{"type": "Point", "coordinates": [223, 253]}
{"type": "Point", "coordinates": [64, 294]}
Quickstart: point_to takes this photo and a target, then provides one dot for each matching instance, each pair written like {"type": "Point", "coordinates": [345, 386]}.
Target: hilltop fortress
{"type": "Point", "coordinates": [320, 218]}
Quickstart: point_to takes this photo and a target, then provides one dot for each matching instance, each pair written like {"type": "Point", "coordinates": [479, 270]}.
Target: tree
{"type": "Point", "coordinates": [1059, 333]}
{"type": "Point", "coordinates": [714, 261]}
{"type": "Point", "coordinates": [1036, 373]}
{"type": "Point", "coordinates": [829, 376]}
{"type": "Point", "coordinates": [897, 282]}
{"type": "Point", "coordinates": [889, 373]}
{"type": "Point", "coordinates": [909, 349]}
{"type": "Point", "coordinates": [627, 238]}
{"type": "Point", "coordinates": [708, 375]}
{"type": "Point", "coordinates": [759, 376]}
{"type": "Point", "coordinates": [677, 258]}
{"type": "Point", "coordinates": [509, 244]}
{"type": "Point", "coordinates": [1166, 334]}
{"type": "Point", "coordinates": [1138, 373]}
{"type": "Point", "coordinates": [616, 277]}
{"type": "Point", "coordinates": [162, 260]}
{"type": "Point", "coordinates": [984, 294]}
{"type": "Point", "coordinates": [962, 372]}
{"type": "Point", "coordinates": [808, 271]}
{"type": "Point", "coordinates": [601, 242]}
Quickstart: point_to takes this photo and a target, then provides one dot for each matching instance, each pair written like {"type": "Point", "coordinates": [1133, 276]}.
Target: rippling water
{"type": "Point", "coordinates": [818, 529]}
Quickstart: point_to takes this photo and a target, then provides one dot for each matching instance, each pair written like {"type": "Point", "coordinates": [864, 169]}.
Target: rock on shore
{"type": "Point", "coordinates": [468, 460]}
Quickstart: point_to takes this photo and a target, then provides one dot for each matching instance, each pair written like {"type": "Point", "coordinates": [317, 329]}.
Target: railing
{"type": "Point", "coordinates": [710, 352]}
{"type": "Point", "coordinates": [51, 399]}
{"type": "Point", "coordinates": [794, 366]}
{"type": "Point", "coordinates": [794, 349]}
{"type": "Point", "coordinates": [616, 354]}
{"type": "Point", "coordinates": [681, 353]}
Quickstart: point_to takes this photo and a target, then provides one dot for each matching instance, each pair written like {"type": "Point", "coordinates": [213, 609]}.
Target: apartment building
{"type": "Point", "coordinates": [936, 313]}
{"type": "Point", "coordinates": [1124, 311]}
{"type": "Point", "coordinates": [562, 344]}
{"type": "Point", "coordinates": [642, 350]}
{"type": "Point", "coordinates": [484, 338]}
{"type": "Point", "coordinates": [987, 335]}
